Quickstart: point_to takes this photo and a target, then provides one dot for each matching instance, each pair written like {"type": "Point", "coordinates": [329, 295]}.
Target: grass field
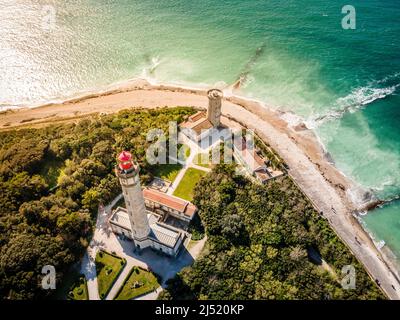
{"type": "Point", "coordinates": [137, 283]}
{"type": "Point", "coordinates": [108, 268]}
{"type": "Point", "coordinates": [166, 171]}
{"type": "Point", "coordinates": [188, 182]}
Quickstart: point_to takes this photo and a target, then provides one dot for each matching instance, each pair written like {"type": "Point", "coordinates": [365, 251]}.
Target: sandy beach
{"type": "Point", "coordinates": [309, 166]}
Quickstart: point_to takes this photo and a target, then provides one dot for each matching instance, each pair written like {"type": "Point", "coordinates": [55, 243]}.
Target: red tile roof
{"type": "Point", "coordinates": [185, 207]}
{"type": "Point", "coordinates": [197, 122]}
{"type": "Point", "coordinates": [197, 116]}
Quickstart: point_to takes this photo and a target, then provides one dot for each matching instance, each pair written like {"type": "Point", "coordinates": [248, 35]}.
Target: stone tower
{"type": "Point", "coordinates": [214, 106]}
{"type": "Point", "coordinates": [128, 173]}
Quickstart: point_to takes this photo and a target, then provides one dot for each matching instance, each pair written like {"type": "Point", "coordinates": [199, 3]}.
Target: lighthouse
{"type": "Point", "coordinates": [147, 213]}
{"type": "Point", "coordinates": [214, 107]}
{"type": "Point", "coordinates": [127, 172]}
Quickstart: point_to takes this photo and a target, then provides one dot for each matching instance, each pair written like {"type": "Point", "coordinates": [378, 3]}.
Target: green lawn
{"type": "Point", "coordinates": [188, 182]}
{"type": "Point", "coordinates": [79, 290]}
{"type": "Point", "coordinates": [202, 159]}
{"type": "Point", "coordinates": [137, 283]}
{"type": "Point", "coordinates": [108, 267]}
{"type": "Point", "coordinates": [166, 171]}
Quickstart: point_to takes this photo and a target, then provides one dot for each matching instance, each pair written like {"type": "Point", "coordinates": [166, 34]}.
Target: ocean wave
{"type": "Point", "coordinates": [358, 99]}
{"type": "Point", "coordinates": [355, 101]}
{"type": "Point", "coordinates": [5, 107]}
{"type": "Point", "coordinates": [291, 118]}
{"type": "Point", "coordinates": [150, 67]}
{"type": "Point", "coordinates": [389, 201]}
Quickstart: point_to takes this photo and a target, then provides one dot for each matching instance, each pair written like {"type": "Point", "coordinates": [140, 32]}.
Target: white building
{"type": "Point", "coordinates": [137, 222]}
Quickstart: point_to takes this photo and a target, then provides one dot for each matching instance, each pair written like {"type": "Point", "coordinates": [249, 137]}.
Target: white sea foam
{"type": "Point", "coordinates": [291, 118]}
{"type": "Point", "coordinates": [4, 107]}
{"type": "Point", "coordinates": [149, 69]}
{"type": "Point", "coordinates": [358, 99]}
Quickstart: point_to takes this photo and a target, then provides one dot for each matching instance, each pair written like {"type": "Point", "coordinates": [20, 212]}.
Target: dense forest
{"type": "Point", "coordinates": [52, 180]}
{"type": "Point", "coordinates": [259, 244]}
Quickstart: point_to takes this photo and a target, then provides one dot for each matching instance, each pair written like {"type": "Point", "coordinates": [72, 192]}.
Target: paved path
{"type": "Point", "coordinates": [194, 252]}
{"type": "Point", "coordinates": [188, 163]}
{"type": "Point", "coordinates": [121, 278]}
{"type": "Point", "coordinates": [164, 266]}
{"type": "Point", "coordinates": [88, 266]}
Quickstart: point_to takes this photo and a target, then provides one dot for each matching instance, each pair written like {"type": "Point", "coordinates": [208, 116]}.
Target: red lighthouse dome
{"type": "Point", "coordinates": [125, 160]}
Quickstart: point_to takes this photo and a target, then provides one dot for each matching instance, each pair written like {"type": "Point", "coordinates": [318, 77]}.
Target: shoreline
{"type": "Point", "coordinates": [299, 147]}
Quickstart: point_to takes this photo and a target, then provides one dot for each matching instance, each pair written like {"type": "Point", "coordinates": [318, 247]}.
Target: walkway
{"type": "Point", "coordinates": [188, 163]}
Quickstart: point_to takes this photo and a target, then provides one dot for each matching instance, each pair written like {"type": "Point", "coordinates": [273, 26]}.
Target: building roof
{"type": "Point", "coordinates": [262, 175]}
{"type": "Point", "coordinates": [197, 116]}
{"type": "Point", "coordinates": [120, 217]}
{"type": "Point", "coordinates": [164, 234]}
{"type": "Point", "coordinates": [203, 125]}
{"type": "Point", "coordinates": [197, 123]}
{"type": "Point", "coordinates": [252, 159]}
{"type": "Point", "coordinates": [183, 206]}
{"type": "Point", "coordinates": [274, 172]}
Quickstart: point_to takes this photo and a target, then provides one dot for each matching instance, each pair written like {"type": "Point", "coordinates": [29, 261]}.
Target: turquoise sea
{"type": "Point", "coordinates": [295, 55]}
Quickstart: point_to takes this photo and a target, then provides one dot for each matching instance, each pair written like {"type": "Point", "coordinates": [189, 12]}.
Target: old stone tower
{"type": "Point", "coordinates": [128, 173]}
{"type": "Point", "coordinates": [214, 106]}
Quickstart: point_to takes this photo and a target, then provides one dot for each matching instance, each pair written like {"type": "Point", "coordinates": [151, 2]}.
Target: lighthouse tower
{"type": "Point", "coordinates": [214, 106]}
{"type": "Point", "coordinates": [128, 173]}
